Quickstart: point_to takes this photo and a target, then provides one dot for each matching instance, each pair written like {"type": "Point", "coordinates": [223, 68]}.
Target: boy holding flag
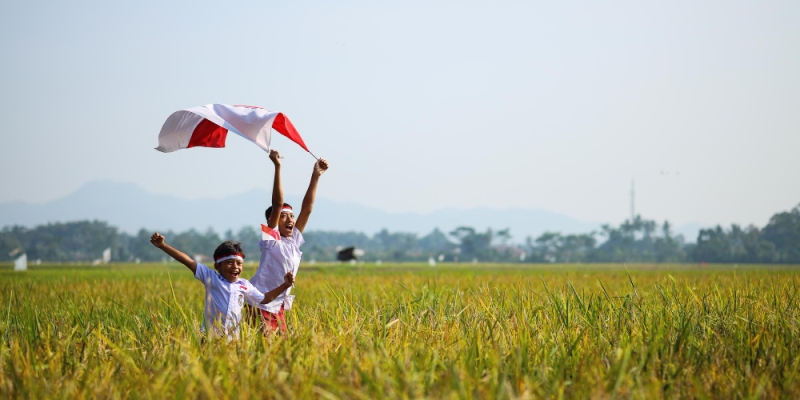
{"type": "Point", "coordinates": [280, 247]}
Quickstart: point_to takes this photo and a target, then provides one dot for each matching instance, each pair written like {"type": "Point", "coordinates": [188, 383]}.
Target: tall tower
{"type": "Point", "coordinates": [633, 210]}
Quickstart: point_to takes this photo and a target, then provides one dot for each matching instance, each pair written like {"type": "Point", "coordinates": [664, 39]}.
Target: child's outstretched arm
{"type": "Point", "coordinates": [308, 201]}
{"type": "Point", "coordinates": [158, 240]}
{"type": "Point", "coordinates": [288, 281]}
{"type": "Point", "coordinates": [277, 190]}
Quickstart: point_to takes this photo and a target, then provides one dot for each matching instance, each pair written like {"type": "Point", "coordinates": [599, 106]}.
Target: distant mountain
{"type": "Point", "coordinates": [130, 208]}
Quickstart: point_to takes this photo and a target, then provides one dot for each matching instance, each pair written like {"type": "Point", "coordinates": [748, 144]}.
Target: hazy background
{"type": "Point", "coordinates": [419, 106]}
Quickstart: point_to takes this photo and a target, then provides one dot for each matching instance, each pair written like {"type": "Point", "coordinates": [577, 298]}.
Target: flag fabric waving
{"type": "Point", "coordinates": [208, 126]}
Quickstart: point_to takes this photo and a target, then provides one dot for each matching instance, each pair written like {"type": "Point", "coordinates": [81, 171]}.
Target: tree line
{"type": "Point", "coordinates": [637, 240]}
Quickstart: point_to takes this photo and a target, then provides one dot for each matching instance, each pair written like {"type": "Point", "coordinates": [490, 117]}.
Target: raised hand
{"type": "Point", "coordinates": [157, 240]}
{"type": "Point", "coordinates": [320, 167]}
{"type": "Point", "coordinates": [275, 157]}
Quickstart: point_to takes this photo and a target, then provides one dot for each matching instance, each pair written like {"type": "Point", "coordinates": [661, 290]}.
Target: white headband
{"type": "Point", "coordinates": [232, 256]}
{"type": "Point", "coordinates": [285, 209]}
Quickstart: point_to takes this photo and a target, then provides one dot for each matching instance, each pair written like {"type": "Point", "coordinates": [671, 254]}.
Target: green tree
{"type": "Point", "coordinates": [473, 244]}
{"type": "Point", "coordinates": [783, 231]}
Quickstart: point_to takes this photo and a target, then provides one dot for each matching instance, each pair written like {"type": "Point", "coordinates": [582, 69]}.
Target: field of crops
{"type": "Point", "coordinates": [405, 331]}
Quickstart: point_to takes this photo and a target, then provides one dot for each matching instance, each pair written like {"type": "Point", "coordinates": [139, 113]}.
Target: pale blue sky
{"type": "Point", "coordinates": [419, 105]}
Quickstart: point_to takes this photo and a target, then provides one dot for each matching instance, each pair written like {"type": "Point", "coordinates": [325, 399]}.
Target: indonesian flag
{"type": "Point", "coordinates": [208, 126]}
{"type": "Point", "coordinates": [268, 233]}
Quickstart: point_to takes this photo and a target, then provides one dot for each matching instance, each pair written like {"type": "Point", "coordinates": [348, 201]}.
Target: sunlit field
{"type": "Point", "coordinates": [410, 331]}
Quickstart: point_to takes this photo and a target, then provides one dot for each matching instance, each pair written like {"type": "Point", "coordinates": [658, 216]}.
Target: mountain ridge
{"type": "Point", "coordinates": [131, 208]}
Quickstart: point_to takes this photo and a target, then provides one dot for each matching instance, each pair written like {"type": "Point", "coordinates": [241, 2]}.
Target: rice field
{"type": "Point", "coordinates": [410, 331]}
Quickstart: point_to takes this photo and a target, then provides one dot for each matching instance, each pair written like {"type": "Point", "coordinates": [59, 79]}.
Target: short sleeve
{"type": "Point", "coordinates": [202, 273]}
{"type": "Point", "coordinates": [267, 244]}
{"type": "Point", "coordinates": [298, 237]}
{"type": "Point", "coordinates": [252, 293]}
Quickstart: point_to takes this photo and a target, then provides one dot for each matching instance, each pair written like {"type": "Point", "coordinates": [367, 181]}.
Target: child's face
{"type": "Point", "coordinates": [286, 223]}
{"type": "Point", "coordinates": [230, 269]}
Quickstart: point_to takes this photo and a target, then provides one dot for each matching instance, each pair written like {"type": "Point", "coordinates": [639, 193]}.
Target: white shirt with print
{"type": "Point", "coordinates": [279, 255]}
{"type": "Point", "coordinates": [224, 300]}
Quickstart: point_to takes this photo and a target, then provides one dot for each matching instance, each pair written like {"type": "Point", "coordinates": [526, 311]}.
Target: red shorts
{"type": "Point", "coordinates": [274, 321]}
{"type": "Point", "coordinates": [270, 322]}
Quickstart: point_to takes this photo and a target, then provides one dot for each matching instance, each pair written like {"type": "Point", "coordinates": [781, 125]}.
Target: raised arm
{"type": "Point", "coordinates": [277, 191]}
{"type": "Point", "coordinates": [158, 240]}
{"type": "Point", "coordinates": [308, 201]}
{"type": "Point", "coordinates": [288, 281]}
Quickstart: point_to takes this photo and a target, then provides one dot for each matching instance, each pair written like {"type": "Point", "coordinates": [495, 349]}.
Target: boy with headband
{"type": "Point", "coordinates": [280, 247]}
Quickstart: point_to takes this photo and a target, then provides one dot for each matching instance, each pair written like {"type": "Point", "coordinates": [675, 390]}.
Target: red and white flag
{"type": "Point", "coordinates": [208, 126]}
{"type": "Point", "coordinates": [268, 233]}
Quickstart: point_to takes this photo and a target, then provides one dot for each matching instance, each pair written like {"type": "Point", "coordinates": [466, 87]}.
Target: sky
{"type": "Point", "coordinates": [419, 105]}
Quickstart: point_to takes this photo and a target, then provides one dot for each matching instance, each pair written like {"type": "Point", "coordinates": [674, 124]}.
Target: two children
{"type": "Point", "coordinates": [225, 290]}
{"type": "Point", "coordinates": [268, 295]}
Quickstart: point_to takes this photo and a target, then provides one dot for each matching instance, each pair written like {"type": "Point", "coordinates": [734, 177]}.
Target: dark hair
{"type": "Point", "coordinates": [228, 247]}
{"type": "Point", "coordinates": [269, 211]}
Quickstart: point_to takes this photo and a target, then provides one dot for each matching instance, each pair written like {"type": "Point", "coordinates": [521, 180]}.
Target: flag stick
{"type": "Point", "coordinates": [312, 155]}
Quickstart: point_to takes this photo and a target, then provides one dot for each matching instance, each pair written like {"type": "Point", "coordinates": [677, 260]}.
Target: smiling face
{"type": "Point", "coordinates": [286, 223]}
{"type": "Point", "coordinates": [230, 269]}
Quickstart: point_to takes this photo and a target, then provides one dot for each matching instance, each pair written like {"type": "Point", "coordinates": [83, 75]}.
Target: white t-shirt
{"type": "Point", "coordinates": [224, 300]}
{"type": "Point", "coordinates": [279, 255]}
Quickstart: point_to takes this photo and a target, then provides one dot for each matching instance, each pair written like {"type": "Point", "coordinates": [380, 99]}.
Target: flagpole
{"type": "Point", "coordinates": [312, 155]}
